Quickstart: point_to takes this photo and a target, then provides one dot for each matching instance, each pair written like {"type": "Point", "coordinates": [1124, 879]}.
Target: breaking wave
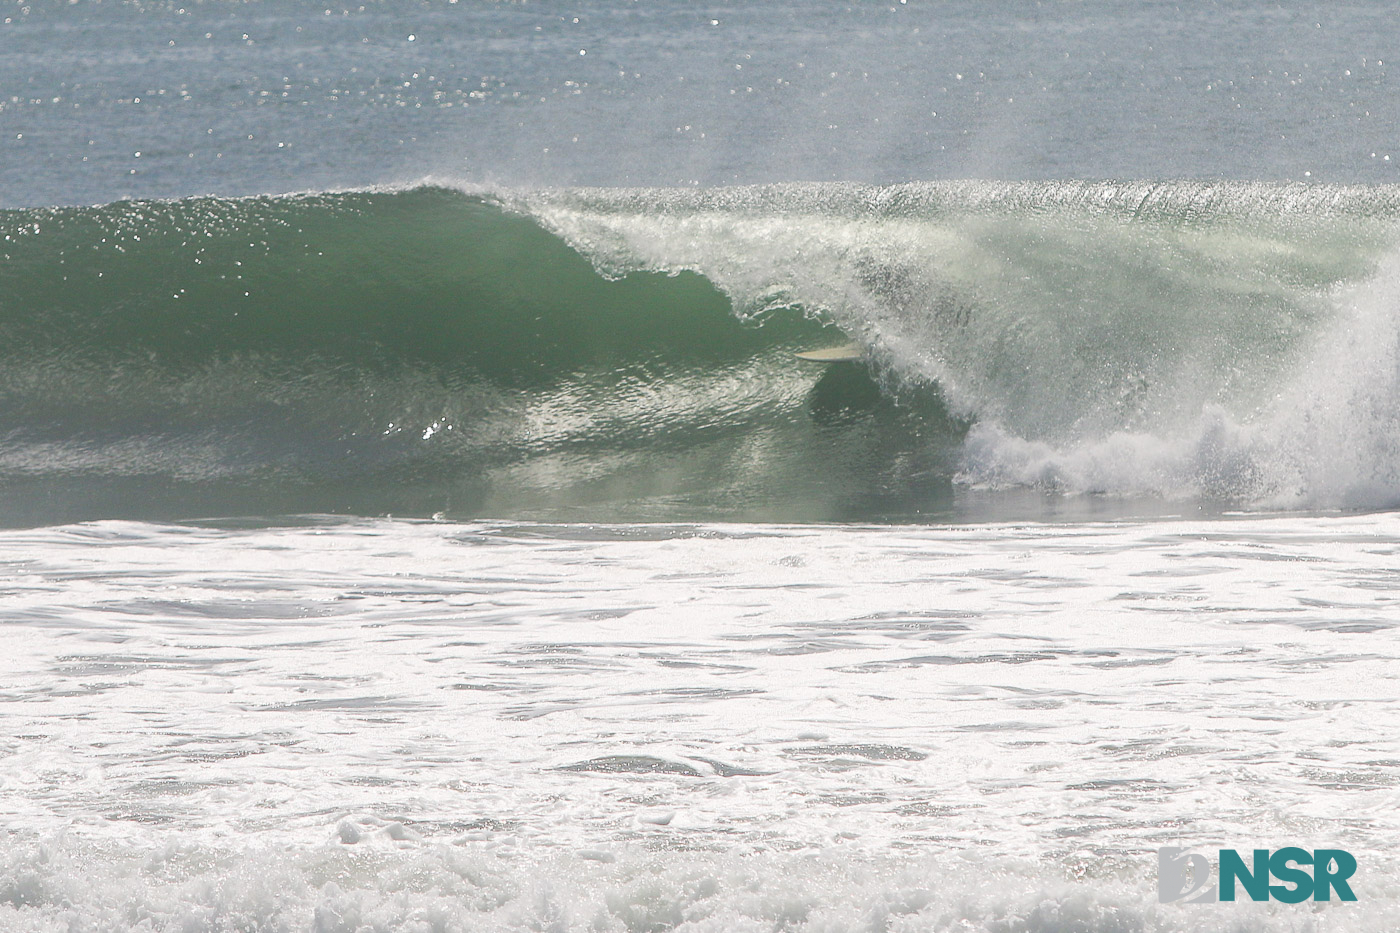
{"type": "Point", "coordinates": [628, 353]}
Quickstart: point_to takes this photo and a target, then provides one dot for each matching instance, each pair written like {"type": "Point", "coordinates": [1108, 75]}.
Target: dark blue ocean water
{"type": "Point", "coordinates": [103, 100]}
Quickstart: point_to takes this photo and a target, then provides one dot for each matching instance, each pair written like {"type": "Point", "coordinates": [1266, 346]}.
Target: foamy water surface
{"type": "Point", "coordinates": [395, 725]}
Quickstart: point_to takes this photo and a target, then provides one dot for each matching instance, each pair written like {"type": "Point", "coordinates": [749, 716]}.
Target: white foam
{"type": "Point", "coordinates": [60, 886]}
{"type": "Point", "coordinates": [1328, 438]}
{"type": "Point", "coordinates": [384, 724]}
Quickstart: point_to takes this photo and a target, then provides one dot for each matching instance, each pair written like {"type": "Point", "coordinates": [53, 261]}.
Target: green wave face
{"type": "Point", "coordinates": [628, 354]}
{"type": "Point", "coordinates": [410, 352]}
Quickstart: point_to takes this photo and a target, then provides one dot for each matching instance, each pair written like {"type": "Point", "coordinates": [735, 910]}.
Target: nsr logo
{"type": "Point", "coordinates": [1186, 877]}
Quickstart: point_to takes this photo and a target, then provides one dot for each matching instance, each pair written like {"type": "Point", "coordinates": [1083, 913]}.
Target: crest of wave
{"type": "Point", "coordinates": [1228, 341]}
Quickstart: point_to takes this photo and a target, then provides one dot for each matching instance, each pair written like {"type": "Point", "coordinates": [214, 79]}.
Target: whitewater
{"type": "Point", "coordinates": [415, 515]}
{"type": "Point", "coordinates": [385, 725]}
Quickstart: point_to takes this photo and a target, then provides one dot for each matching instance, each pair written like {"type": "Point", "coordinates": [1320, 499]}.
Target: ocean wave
{"type": "Point", "coordinates": [628, 353]}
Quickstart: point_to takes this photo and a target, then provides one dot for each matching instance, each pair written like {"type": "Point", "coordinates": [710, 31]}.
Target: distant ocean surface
{"type": "Point", "coordinates": [414, 515]}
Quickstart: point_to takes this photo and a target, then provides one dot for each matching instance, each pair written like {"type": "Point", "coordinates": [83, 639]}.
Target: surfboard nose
{"type": "Point", "coordinates": [847, 352]}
